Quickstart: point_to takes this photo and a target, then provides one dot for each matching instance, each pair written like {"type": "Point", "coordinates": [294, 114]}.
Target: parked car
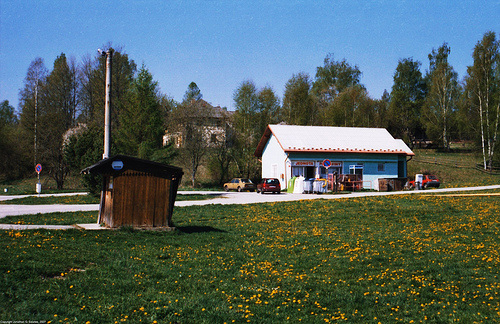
{"type": "Point", "coordinates": [240, 184]}
{"type": "Point", "coordinates": [269, 185]}
{"type": "Point", "coordinates": [427, 181]}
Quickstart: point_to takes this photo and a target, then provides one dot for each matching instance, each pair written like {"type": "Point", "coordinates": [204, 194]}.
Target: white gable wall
{"type": "Point", "coordinates": [275, 163]}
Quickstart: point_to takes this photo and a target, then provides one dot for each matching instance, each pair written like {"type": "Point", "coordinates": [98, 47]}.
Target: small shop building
{"type": "Point", "coordinates": [288, 151]}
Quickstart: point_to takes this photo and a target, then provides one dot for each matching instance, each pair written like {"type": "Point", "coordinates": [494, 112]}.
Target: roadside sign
{"type": "Point", "coordinates": [327, 163]}
{"type": "Point", "coordinates": [38, 168]}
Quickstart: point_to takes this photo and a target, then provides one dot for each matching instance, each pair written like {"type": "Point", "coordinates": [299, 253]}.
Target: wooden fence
{"type": "Point", "coordinates": [458, 164]}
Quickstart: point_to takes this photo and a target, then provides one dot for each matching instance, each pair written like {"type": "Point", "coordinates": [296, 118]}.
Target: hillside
{"type": "Point", "coordinates": [454, 169]}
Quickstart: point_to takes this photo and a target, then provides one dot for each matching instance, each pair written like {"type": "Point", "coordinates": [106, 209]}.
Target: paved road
{"type": "Point", "coordinates": [223, 198]}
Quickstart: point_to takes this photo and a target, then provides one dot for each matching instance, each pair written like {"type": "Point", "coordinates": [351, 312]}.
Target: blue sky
{"type": "Point", "coordinates": [218, 44]}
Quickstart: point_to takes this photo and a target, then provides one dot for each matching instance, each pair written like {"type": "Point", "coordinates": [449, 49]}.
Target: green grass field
{"type": "Point", "coordinates": [454, 169]}
{"type": "Point", "coordinates": [407, 259]}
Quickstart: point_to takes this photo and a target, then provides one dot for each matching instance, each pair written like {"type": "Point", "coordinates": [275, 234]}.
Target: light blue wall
{"type": "Point", "coordinates": [277, 164]}
{"type": "Point", "coordinates": [370, 163]}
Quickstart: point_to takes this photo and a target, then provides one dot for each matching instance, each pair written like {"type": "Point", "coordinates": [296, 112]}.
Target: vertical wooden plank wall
{"type": "Point", "coordinates": [106, 207]}
{"type": "Point", "coordinates": [162, 202]}
{"type": "Point", "coordinates": [139, 199]}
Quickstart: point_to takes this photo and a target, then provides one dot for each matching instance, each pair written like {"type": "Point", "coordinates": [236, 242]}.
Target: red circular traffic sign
{"type": "Point", "coordinates": [38, 168]}
{"type": "Point", "coordinates": [327, 163]}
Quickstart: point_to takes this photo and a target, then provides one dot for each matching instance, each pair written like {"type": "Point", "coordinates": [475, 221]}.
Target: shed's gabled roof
{"type": "Point", "coordinates": [113, 166]}
{"type": "Point", "coordinates": [333, 139]}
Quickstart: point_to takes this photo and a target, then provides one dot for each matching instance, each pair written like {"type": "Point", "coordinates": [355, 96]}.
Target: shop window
{"type": "Point", "coordinates": [356, 169]}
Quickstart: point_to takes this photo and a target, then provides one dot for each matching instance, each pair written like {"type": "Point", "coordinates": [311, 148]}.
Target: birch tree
{"type": "Point", "coordinates": [30, 104]}
{"type": "Point", "coordinates": [483, 84]}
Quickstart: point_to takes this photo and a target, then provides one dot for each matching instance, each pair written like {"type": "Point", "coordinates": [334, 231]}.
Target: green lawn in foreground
{"type": "Point", "coordinates": [365, 260]}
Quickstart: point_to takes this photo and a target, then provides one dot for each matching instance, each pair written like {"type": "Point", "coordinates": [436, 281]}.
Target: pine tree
{"type": "Point", "coordinates": [142, 119]}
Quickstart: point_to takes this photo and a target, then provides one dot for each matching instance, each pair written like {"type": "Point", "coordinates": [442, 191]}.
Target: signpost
{"type": "Point", "coordinates": [327, 163]}
{"type": "Point", "coordinates": [38, 169]}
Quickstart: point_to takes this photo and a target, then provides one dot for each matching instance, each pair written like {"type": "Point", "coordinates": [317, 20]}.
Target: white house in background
{"type": "Point", "coordinates": [287, 151]}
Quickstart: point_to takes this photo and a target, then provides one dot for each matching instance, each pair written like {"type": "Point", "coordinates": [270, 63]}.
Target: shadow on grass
{"type": "Point", "coordinates": [198, 229]}
{"type": "Point", "coordinates": [207, 196]}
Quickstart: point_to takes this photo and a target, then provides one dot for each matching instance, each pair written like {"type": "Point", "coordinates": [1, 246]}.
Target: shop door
{"type": "Point", "coordinates": [310, 172]}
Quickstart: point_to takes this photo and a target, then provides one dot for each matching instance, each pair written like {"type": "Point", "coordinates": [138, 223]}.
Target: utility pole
{"type": "Point", "coordinates": [107, 103]}
{"type": "Point", "coordinates": [36, 121]}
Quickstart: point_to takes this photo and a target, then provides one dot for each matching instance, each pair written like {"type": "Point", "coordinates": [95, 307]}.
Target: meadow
{"type": "Point", "coordinates": [454, 169]}
{"type": "Point", "coordinates": [409, 258]}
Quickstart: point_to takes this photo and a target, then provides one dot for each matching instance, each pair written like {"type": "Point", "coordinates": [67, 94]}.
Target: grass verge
{"type": "Point", "coordinates": [380, 259]}
{"type": "Point", "coordinates": [87, 199]}
{"type": "Point", "coordinates": [82, 217]}
{"type": "Point", "coordinates": [51, 200]}
{"type": "Point", "coordinates": [28, 186]}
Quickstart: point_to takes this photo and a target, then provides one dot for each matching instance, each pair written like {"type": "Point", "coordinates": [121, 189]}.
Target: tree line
{"type": "Point", "coordinates": [61, 112]}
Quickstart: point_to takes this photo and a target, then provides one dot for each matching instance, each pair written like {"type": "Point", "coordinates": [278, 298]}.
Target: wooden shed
{"type": "Point", "coordinates": [136, 192]}
{"type": "Point", "coordinates": [391, 184]}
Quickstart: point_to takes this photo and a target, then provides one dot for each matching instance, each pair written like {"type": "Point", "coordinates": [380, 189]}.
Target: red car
{"type": "Point", "coordinates": [269, 185]}
{"type": "Point", "coordinates": [427, 181]}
